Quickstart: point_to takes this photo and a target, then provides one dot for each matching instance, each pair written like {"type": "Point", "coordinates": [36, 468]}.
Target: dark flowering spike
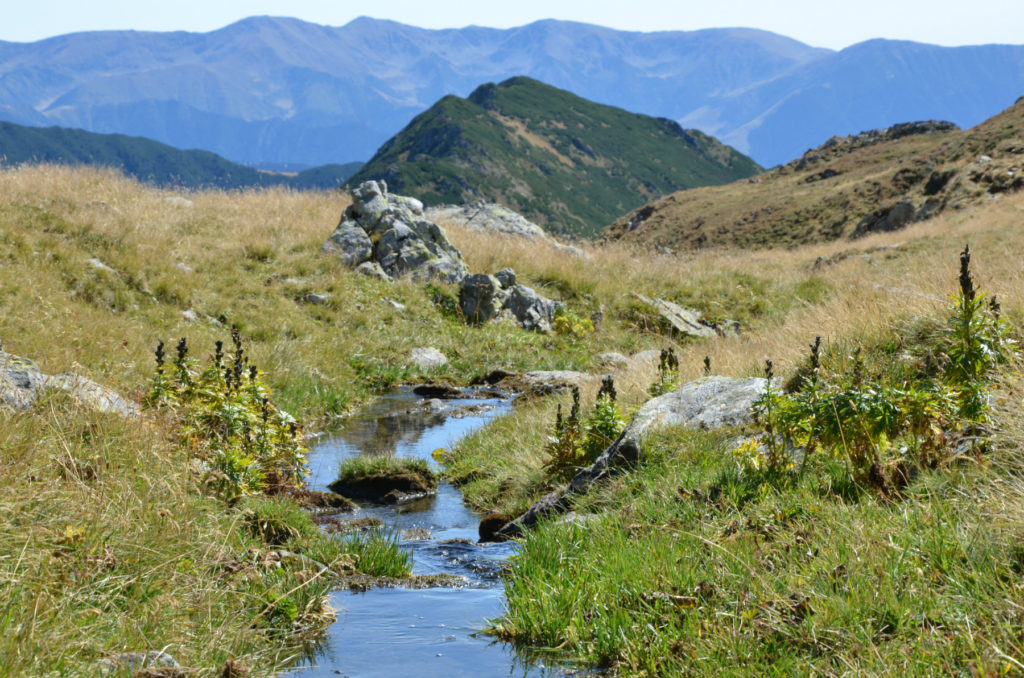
{"type": "Point", "coordinates": [768, 373]}
{"type": "Point", "coordinates": [252, 373]}
{"type": "Point", "coordinates": [182, 349]}
{"type": "Point", "coordinates": [236, 338]}
{"type": "Point", "coordinates": [707, 366]}
{"type": "Point", "coordinates": [218, 356]}
{"type": "Point", "coordinates": [608, 388]}
{"type": "Point", "coordinates": [966, 283]}
{"type": "Point", "coordinates": [160, 355]}
{"type": "Point", "coordinates": [227, 378]}
{"type": "Point", "coordinates": [558, 421]}
{"type": "Point", "coordinates": [574, 414]}
{"type": "Point", "coordinates": [858, 366]}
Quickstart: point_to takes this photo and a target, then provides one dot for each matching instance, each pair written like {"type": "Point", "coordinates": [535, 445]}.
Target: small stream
{"type": "Point", "coordinates": [387, 632]}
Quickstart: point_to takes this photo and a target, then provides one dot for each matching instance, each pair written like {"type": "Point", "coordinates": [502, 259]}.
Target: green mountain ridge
{"type": "Point", "coordinates": [152, 161]}
{"type": "Point", "coordinates": [569, 164]}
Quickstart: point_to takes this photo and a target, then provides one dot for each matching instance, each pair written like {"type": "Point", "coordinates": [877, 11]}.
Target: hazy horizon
{"type": "Point", "coordinates": [834, 27]}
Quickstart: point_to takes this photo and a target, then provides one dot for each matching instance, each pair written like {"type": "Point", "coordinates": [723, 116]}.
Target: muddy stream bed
{"type": "Point", "coordinates": [386, 632]}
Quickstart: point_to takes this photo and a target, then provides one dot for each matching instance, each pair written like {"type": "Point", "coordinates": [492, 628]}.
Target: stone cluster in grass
{"type": "Point", "coordinates": [386, 235]}
{"type": "Point", "coordinates": [483, 297]}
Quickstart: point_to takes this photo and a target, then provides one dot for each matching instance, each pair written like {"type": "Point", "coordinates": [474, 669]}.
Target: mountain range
{"type": "Point", "coordinates": [275, 90]}
{"type": "Point", "coordinates": [569, 164]}
{"type": "Point", "coordinates": [151, 161]}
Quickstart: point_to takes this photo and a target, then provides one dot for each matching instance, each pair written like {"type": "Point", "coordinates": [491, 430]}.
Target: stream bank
{"type": "Point", "coordinates": [384, 632]}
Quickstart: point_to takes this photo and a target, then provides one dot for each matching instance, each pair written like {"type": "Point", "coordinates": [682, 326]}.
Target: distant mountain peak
{"type": "Point", "coordinates": [570, 164]}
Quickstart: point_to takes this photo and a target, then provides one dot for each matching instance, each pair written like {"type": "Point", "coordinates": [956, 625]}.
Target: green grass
{"type": "Point", "coordinates": [690, 568]}
{"type": "Point", "coordinates": [107, 545]}
{"type": "Point", "coordinates": [379, 464]}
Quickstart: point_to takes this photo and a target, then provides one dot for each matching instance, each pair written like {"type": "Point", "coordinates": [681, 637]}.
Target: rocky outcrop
{"type": "Point", "coordinates": [392, 232]}
{"type": "Point", "coordinates": [709, 403]}
{"type": "Point", "coordinates": [887, 219]}
{"type": "Point", "coordinates": [22, 383]}
{"type": "Point", "coordinates": [483, 297]}
{"type": "Point", "coordinates": [488, 217]}
{"type": "Point", "coordinates": [687, 321]}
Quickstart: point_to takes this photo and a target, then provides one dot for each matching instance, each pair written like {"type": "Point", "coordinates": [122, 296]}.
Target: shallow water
{"type": "Point", "coordinates": [430, 632]}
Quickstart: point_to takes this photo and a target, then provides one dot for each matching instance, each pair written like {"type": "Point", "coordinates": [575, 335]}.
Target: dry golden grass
{"type": "Point", "coordinates": [874, 281]}
{"type": "Point", "coordinates": [825, 194]}
{"type": "Point", "coordinates": [238, 249]}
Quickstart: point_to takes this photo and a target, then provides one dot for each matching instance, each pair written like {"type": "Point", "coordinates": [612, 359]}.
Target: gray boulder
{"type": "Point", "coordinates": [22, 383]}
{"type": "Point", "coordinates": [890, 218]}
{"type": "Point", "coordinates": [488, 216]}
{"type": "Point", "coordinates": [371, 269]}
{"type": "Point", "coordinates": [350, 242]}
{"type": "Point", "coordinates": [684, 320]}
{"type": "Point", "coordinates": [427, 358]}
{"type": "Point", "coordinates": [93, 395]}
{"type": "Point", "coordinates": [709, 403]}
{"type": "Point", "coordinates": [483, 297]}
{"type": "Point", "coordinates": [532, 311]}
{"type": "Point", "coordinates": [155, 660]}
{"type": "Point", "coordinates": [391, 232]}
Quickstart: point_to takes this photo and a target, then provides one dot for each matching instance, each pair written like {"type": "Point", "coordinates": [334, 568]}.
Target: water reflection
{"type": "Point", "coordinates": [429, 632]}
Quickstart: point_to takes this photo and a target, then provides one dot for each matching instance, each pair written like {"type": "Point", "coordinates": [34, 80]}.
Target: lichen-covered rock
{"type": "Point", "coordinates": [427, 358]}
{"type": "Point", "coordinates": [532, 311]}
{"type": "Point", "coordinates": [350, 242]}
{"type": "Point", "coordinates": [93, 395]}
{"type": "Point", "coordinates": [371, 269]}
{"type": "Point", "coordinates": [490, 217]}
{"type": "Point", "coordinates": [684, 320]}
{"type": "Point", "coordinates": [391, 232]}
{"type": "Point", "coordinates": [139, 663]}
{"type": "Point", "coordinates": [709, 403]}
{"type": "Point", "coordinates": [22, 383]}
{"type": "Point", "coordinates": [483, 297]}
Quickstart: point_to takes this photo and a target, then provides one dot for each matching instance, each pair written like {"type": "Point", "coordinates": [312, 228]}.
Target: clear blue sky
{"type": "Point", "coordinates": [823, 23]}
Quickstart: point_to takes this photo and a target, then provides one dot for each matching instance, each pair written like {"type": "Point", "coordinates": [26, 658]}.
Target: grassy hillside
{"type": "Point", "coordinates": [569, 164]}
{"type": "Point", "coordinates": [109, 543]}
{"type": "Point", "coordinates": [825, 194]}
{"type": "Point", "coordinates": [152, 161]}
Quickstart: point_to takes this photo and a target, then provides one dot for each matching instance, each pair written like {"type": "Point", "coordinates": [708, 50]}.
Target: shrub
{"type": "Point", "coordinates": [245, 443]}
{"type": "Point", "coordinates": [879, 425]}
{"type": "Point", "coordinates": [576, 444]}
